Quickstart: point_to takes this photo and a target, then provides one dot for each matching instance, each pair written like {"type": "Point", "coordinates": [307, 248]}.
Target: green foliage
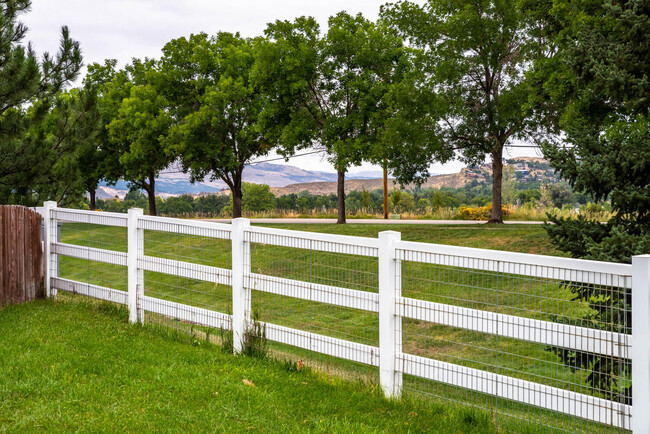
{"type": "Point", "coordinates": [591, 101]}
{"type": "Point", "coordinates": [177, 206]}
{"type": "Point", "coordinates": [331, 89]}
{"type": "Point", "coordinates": [221, 103]}
{"type": "Point", "coordinates": [29, 88]}
{"type": "Point", "coordinates": [255, 343]}
{"type": "Point", "coordinates": [61, 141]}
{"type": "Point", "coordinates": [474, 55]}
{"type": "Point", "coordinates": [226, 340]}
{"type": "Point", "coordinates": [400, 201]}
{"type": "Point", "coordinates": [140, 127]}
{"type": "Point", "coordinates": [603, 111]}
{"type": "Point", "coordinates": [257, 197]}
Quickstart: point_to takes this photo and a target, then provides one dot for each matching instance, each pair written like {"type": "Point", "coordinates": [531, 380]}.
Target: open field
{"type": "Point", "coordinates": [534, 298]}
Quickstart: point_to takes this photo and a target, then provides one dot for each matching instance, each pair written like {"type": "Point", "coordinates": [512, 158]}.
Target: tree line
{"type": "Point", "coordinates": [424, 83]}
{"type": "Point", "coordinates": [260, 199]}
{"type": "Point", "coordinates": [386, 92]}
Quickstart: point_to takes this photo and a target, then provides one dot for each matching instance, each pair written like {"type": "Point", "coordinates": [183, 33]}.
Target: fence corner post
{"type": "Point", "coordinates": [241, 297]}
{"type": "Point", "coordinates": [640, 351]}
{"type": "Point", "coordinates": [135, 241]}
{"type": "Point", "coordinates": [390, 323]}
{"type": "Point", "coordinates": [49, 235]}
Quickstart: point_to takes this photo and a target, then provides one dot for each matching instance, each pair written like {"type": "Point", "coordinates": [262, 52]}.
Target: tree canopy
{"type": "Point", "coordinates": [475, 54]}
{"type": "Point", "coordinates": [597, 123]}
{"type": "Point", "coordinates": [220, 131]}
{"type": "Point", "coordinates": [140, 128]}
{"type": "Point", "coordinates": [329, 90]}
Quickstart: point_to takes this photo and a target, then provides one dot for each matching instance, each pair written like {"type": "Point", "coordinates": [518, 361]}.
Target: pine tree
{"type": "Point", "coordinates": [26, 80]}
{"type": "Point", "coordinates": [591, 100]}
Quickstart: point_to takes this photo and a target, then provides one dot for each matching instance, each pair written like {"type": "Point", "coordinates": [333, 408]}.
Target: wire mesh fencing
{"type": "Point", "coordinates": [529, 339]}
{"type": "Point", "coordinates": [90, 253]}
{"type": "Point", "coordinates": [528, 343]}
{"type": "Point", "coordinates": [318, 299]}
{"type": "Point", "coordinates": [186, 276]}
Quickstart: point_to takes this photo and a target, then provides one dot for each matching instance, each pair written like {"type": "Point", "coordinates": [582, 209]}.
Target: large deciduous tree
{"type": "Point", "coordinates": [26, 79]}
{"type": "Point", "coordinates": [476, 56]}
{"type": "Point", "coordinates": [99, 157]}
{"type": "Point", "coordinates": [217, 103]}
{"type": "Point", "coordinates": [140, 128]}
{"type": "Point", "coordinates": [329, 90]}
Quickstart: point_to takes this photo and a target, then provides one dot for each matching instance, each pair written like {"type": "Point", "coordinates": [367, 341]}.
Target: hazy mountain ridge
{"type": "Point", "coordinates": [292, 180]}
{"type": "Point", "coordinates": [173, 182]}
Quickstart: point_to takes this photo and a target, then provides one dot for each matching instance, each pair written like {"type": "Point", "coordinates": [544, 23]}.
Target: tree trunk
{"type": "Point", "coordinates": [385, 191]}
{"type": "Point", "coordinates": [151, 192]}
{"type": "Point", "coordinates": [237, 196]}
{"type": "Point", "coordinates": [497, 180]}
{"type": "Point", "coordinates": [340, 191]}
{"type": "Point", "coordinates": [92, 193]}
{"type": "Point", "coordinates": [236, 191]}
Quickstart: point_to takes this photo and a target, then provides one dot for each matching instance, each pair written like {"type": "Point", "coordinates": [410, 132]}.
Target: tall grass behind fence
{"type": "Point", "coordinates": [528, 338]}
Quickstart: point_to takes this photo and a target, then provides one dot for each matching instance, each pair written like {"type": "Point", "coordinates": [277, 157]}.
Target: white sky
{"type": "Point", "coordinates": [123, 29]}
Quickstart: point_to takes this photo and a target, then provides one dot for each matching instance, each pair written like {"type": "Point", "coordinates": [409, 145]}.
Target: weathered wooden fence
{"type": "Point", "coordinates": [21, 253]}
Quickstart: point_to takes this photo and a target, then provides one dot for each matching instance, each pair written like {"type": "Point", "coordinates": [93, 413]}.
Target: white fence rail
{"type": "Point", "coordinates": [403, 296]}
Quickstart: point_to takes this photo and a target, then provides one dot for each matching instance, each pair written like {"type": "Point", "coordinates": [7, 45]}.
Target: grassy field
{"type": "Point", "coordinates": [514, 238]}
{"type": "Point", "coordinates": [535, 298]}
{"type": "Point", "coordinates": [77, 365]}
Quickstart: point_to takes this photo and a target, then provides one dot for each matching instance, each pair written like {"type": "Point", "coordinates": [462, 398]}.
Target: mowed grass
{"type": "Point", "coordinates": [535, 298]}
{"type": "Point", "coordinates": [514, 238]}
{"type": "Point", "coordinates": [77, 365]}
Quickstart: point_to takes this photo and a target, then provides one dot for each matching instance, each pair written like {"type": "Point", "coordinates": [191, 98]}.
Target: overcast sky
{"type": "Point", "coordinates": [121, 29]}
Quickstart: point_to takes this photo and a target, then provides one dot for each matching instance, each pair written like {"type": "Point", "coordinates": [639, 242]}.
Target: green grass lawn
{"type": "Point", "coordinates": [77, 365]}
{"type": "Point", "coordinates": [528, 297]}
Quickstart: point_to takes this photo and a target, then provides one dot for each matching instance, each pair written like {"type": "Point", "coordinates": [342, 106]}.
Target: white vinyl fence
{"type": "Point", "coordinates": [541, 339]}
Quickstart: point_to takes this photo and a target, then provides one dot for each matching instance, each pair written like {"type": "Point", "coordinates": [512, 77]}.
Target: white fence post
{"type": "Point", "coordinates": [390, 324]}
{"type": "Point", "coordinates": [135, 240]}
{"type": "Point", "coordinates": [49, 235]}
{"type": "Point", "coordinates": [241, 297]}
{"type": "Point", "coordinates": [641, 344]}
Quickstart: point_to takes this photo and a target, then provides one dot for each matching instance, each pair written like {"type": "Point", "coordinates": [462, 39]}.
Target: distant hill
{"type": "Point", "coordinates": [321, 188]}
{"type": "Point", "coordinates": [290, 179]}
{"type": "Point", "coordinates": [525, 168]}
{"type": "Point", "coordinates": [173, 182]}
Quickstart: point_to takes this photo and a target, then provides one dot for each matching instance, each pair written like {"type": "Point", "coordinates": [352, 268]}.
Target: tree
{"type": "Point", "coordinates": [177, 206]}
{"type": "Point", "coordinates": [26, 80]}
{"type": "Point", "coordinates": [222, 103]}
{"type": "Point", "coordinates": [329, 90]}
{"type": "Point", "coordinates": [72, 128]}
{"type": "Point", "coordinates": [475, 54]}
{"type": "Point", "coordinates": [597, 124]}
{"type": "Point", "coordinates": [257, 197]}
{"type": "Point", "coordinates": [99, 157]}
{"type": "Point", "coordinates": [140, 128]}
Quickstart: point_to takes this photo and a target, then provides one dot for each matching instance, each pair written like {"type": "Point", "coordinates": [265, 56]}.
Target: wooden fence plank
{"type": "Point", "coordinates": [12, 255]}
{"type": "Point", "coordinates": [3, 256]}
{"type": "Point", "coordinates": [21, 265]}
{"type": "Point", "coordinates": [19, 291]}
